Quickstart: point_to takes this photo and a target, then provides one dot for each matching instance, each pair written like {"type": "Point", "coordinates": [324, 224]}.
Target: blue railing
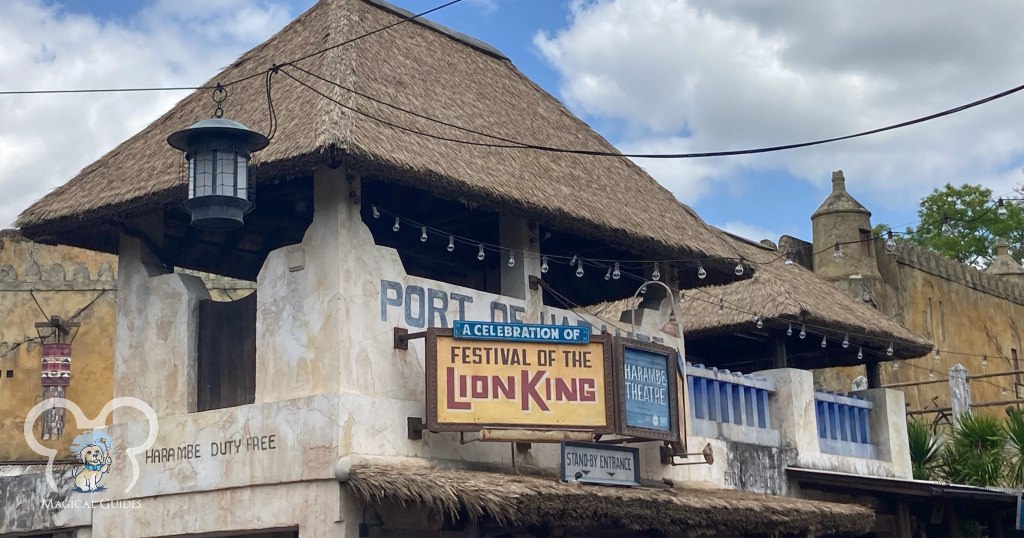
{"type": "Point", "coordinates": [843, 424]}
{"type": "Point", "coordinates": [728, 397]}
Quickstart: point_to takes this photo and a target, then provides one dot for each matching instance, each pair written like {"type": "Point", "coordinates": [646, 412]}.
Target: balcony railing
{"type": "Point", "coordinates": [843, 427]}
{"type": "Point", "coordinates": [730, 405]}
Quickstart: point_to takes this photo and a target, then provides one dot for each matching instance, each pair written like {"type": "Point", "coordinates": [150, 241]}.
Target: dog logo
{"type": "Point", "coordinates": [94, 455]}
{"type": "Point", "coordinates": [92, 448]}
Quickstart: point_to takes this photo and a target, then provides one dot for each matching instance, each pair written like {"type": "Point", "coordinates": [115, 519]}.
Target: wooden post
{"type": "Point", "coordinates": [779, 358]}
{"type": "Point", "coordinates": [903, 520]}
{"type": "Point", "coordinates": [874, 372]}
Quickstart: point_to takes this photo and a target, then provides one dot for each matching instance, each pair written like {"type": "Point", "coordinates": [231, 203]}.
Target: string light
{"type": "Point", "coordinates": [739, 268]}
{"type": "Point", "coordinates": [616, 273]}
{"type": "Point", "coordinates": [803, 332]}
{"type": "Point", "coordinates": [789, 259]}
{"type": "Point", "coordinates": [1002, 392]}
{"type": "Point", "coordinates": [984, 361]}
{"type": "Point", "coordinates": [931, 374]}
{"type": "Point", "coordinates": [936, 356]}
{"type": "Point", "coordinates": [511, 258]}
{"type": "Point", "coordinates": [643, 289]}
{"type": "Point", "coordinates": [376, 213]}
{"type": "Point", "coordinates": [890, 242]}
{"type": "Point", "coordinates": [1001, 209]}
{"type": "Point", "coordinates": [824, 341]}
{"type": "Point", "coordinates": [579, 269]}
{"type": "Point", "coordinates": [608, 275]}
{"type": "Point", "coordinates": [759, 324]}
{"type": "Point", "coordinates": [946, 228]}
{"type": "Point", "coordinates": [397, 226]}
{"type": "Point", "coordinates": [789, 330]}
{"type": "Point", "coordinates": [423, 234]}
{"type": "Point", "coordinates": [480, 254]}
{"type": "Point", "coordinates": [837, 252]}
{"type": "Point", "coordinates": [451, 243]}
{"type": "Point", "coordinates": [544, 265]}
{"type": "Point", "coordinates": [721, 306]}
{"type": "Point", "coordinates": [572, 261]}
{"type": "Point", "coordinates": [701, 273]}
{"type": "Point", "coordinates": [846, 341]}
{"type": "Point", "coordinates": [896, 365]}
{"type": "Point", "coordinates": [860, 353]}
{"type": "Point", "coordinates": [656, 275]}
{"type": "Point", "coordinates": [889, 350]}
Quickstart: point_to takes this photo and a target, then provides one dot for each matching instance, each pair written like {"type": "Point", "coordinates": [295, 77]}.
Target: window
{"type": "Point", "coordinates": [226, 374]}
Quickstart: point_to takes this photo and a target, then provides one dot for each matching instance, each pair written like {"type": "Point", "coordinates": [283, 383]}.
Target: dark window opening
{"type": "Point", "coordinates": [866, 243]}
{"type": "Point", "coordinates": [226, 375]}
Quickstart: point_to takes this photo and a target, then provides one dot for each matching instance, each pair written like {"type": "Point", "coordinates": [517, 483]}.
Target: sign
{"type": "Point", "coordinates": [601, 464]}
{"type": "Point", "coordinates": [478, 384]}
{"type": "Point", "coordinates": [521, 332]}
{"type": "Point", "coordinates": [647, 382]}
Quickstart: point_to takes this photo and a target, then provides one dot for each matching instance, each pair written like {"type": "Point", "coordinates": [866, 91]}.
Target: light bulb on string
{"type": "Point", "coordinates": [616, 273]}
{"type": "Point", "coordinates": [480, 253]}
{"type": "Point", "coordinates": [572, 261]}
{"type": "Point", "coordinates": [423, 234]}
{"type": "Point", "coordinates": [656, 275]}
{"type": "Point", "coordinates": [803, 332]}
{"type": "Point", "coordinates": [758, 323]}
{"type": "Point", "coordinates": [789, 259]}
{"type": "Point", "coordinates": [608, 275]}
{"type": "Point", "coordinates": [895, 365]}
{"type": "Point", "coordinates": [1001, 209]}
{"type": "Point", "coordinates": [1002, 391]}
{"type": "Point", "coordinates": [984, 361]}
{"type": "Point", "coordinates": [544, 265]}
{"type": "Point", "coordinates": [946, 228]}
{"type": "Point", "coordinates": [397, 226]}
{"type": "Point", "coordinates": [375, 211]}
{"type": "Point", "coordinates": [837, 252]}
{"type": "Point", "coordinates": [511, 258]}
{"type": "Point", "coordinates": [890, 242]}
{"type": "Point", "coordinates": [721, 305]}
{"type": "Point", "coordinates": [701, 273]}
{"type": "Point", "coordinates": [789, 330]}
{"type": "Point", "coordinates": [860, 353]}
{"type": "Point", "coordinates": [931, 374]}
{"type": "Point", "coordinates": [579, 269]}
{"type": "Point", "coordinates": [824, 341]}
{"type": "Point", "coordinates": [936, 356]}
{"type": "Point", "coordinates": [451, 243]}
{"type": "Point", "coordinates": [643, 289]}
{"type": "Point", "coordinates": [846, 341]}
{"type": "Point", "coordinates": [739, 268]}
{"type": "Point", "coordinates": [889, 350]}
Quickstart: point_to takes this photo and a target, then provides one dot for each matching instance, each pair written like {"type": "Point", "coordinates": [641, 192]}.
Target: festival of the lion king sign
{"type": "Point", "coordinates": [482, 375]}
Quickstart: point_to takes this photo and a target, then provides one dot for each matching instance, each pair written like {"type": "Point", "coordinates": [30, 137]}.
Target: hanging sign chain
{"type": "Point", "coordinates": [220, 94]}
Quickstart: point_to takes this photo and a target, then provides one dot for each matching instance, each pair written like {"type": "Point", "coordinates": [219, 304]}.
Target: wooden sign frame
{"type": "Point", "coordinates": [430, 371]}
{"type": "Point", "coordinates": [672, 366]}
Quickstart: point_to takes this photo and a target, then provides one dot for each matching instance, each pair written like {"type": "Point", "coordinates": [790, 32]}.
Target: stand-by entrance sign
{"type": "Point", "coordinates": [521, 332]}
{"type": "Point", "coordinates": [601, 464]}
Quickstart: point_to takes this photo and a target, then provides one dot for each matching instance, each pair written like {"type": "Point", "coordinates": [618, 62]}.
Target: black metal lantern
{"type": "Point", "coordinates": [218, 151]}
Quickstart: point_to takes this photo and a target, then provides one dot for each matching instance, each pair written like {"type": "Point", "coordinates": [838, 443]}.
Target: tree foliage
{"type": "Point", "coordinates": [981, 451]}
{"type": "Point", "coordinates": [924, 449]}
{"type": "Point", "coordinates": [975, 223]}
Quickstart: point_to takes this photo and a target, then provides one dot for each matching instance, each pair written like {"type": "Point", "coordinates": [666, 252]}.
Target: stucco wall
{"type": "Point", "coordinates": [64, 280]}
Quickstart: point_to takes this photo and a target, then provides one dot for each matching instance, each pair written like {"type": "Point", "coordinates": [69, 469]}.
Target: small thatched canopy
{"type": "Point", "coordinates": [422, 68]}
{"type": "Point", "coordinates": [517, 500]}
{"type": "Point", "coordinates": [784, 294]}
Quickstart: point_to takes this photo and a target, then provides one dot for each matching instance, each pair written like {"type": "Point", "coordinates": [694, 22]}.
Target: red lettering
{"type": "Point", "coordinates": [588, 390]}
{"type": "Point", "coordinates": [529, 385]}
{"type": "Point", "coordinates": [506, 387]}
{"type": "Point", "coordinates": [563, 392]}
{"type": "Point", "coordinates": [478, 386]}
{"type": "Point", "coordinates": [450, 392]}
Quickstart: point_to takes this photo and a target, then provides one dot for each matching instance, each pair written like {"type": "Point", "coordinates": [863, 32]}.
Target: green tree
{"type": "Point", "coordinates": [974, 222]}
{"type": "Point", "coordinates": [975, 453]}
{"type": "Point", "coordinates": [924, 449]}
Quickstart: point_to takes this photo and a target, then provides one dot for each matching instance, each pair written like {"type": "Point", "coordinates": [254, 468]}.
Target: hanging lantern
{"type": "Point", "coordinates": [217, 151]}
{"type": "Point", "coordinates": [55, 370]}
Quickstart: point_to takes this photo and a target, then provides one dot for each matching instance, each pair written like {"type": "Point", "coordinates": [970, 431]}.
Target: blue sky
{"type": "Point", "coordinates": [650, 75]}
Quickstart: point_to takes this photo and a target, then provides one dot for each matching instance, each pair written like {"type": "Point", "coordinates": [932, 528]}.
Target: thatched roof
{"type": "Point", "coordinates": [781, 294]}
{"type": "Point", "coordinates": [784, 294]}
{"type": "Point", "coordinates": [519, 500]}
{"type": "Point", "coordinates": [415, 66]}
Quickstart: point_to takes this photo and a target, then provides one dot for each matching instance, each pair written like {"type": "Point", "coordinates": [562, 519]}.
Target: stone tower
{"type": "Point", "coordinates": [1004, 265]}
{"type": "Point", "coordinates": [842, 219]}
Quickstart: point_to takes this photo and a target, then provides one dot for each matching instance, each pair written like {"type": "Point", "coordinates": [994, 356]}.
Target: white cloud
{"type": "Point", "coordinates": [46, 139]}
{"type": "Point", "coordinates": [731, 75]}
{"type": "Point", "coordinates": [750, 231]}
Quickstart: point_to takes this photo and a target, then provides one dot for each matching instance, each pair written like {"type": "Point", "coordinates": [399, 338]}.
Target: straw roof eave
{"type": "Point", "coordinates": [521, 500]}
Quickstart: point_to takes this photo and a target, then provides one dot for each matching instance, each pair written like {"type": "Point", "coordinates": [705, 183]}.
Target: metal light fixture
{"type": "Point", "coordinates": [55, 370]}
{"type": "Point", "coordinates": [217, 151]}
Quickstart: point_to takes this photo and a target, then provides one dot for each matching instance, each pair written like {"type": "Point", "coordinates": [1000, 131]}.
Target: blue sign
{"type": "Point", "coordinates": [647, 391]}
{"type": "Point", "coordinates": [521, 332]}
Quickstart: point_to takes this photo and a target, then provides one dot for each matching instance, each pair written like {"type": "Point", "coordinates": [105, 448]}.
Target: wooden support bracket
{"type": "Point", "coordinates": [415, 427]}
{"type": "Point", "coordinates": [402, 337]}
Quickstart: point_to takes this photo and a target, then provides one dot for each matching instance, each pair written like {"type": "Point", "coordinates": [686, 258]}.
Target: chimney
{"type": "Point", "coordinates": [1002, 247]}
{"type": "Point", "coordinates": [838, 181]}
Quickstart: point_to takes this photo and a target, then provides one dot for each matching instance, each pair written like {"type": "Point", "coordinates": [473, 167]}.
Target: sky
{"type": "Point", "coordinates": [662, 76]}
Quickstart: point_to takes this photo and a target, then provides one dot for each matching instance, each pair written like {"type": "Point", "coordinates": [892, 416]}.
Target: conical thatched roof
{"type": "Point", "coordinates": [518, 500]}
{"type": "Point", "coordinates": [420, 68]}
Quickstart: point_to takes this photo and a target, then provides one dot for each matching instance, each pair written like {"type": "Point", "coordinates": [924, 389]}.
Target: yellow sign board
{"type": "Point", "coordinates": [477, 384]}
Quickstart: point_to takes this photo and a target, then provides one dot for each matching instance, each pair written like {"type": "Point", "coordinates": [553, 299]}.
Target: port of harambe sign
{"type": "Point", "coordinates": [478, 381]}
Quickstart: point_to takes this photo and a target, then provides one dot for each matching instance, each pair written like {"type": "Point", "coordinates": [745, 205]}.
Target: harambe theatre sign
{"type": "Point", "coordinates": [531, 379]}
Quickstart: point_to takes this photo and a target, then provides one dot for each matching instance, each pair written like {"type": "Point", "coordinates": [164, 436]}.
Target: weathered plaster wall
{"type": "Point", "coordinates": [959, 309]}
{"type": "Point", "coordinates": [64, 280]}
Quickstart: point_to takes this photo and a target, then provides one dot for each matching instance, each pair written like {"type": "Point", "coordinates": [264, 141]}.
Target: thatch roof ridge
{"type": "Point", "coordinates": [415, 66]}
{"type": "Point", "coordinates": [520, 500]}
